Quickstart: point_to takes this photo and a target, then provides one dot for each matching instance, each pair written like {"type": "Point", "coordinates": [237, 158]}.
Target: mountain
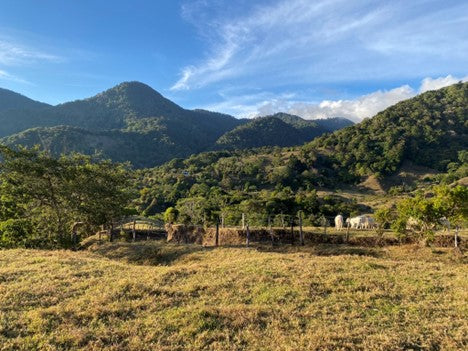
{"type": "Point", "coordinates": [142, 149]}
{"type": "Point", "coordinates": [115, 108]}
{"type": "Point", "coordinates": [133, 122]}
{"type": "Point", "coordinates": [332, 124]}
{"type": "Point", "coordinates": [280, 129]}
{"type": "Point", "coordinates": [428, 130]}
{"type": "Point", "coordinates": [10, 100]}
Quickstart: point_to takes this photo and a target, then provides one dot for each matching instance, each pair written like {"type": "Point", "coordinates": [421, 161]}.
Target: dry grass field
{"type": "Point", "coordinates": [158, 296]}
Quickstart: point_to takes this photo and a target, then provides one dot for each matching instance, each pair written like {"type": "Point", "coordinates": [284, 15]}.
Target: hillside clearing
{"type": "Point", "coordinates": [158, 296]}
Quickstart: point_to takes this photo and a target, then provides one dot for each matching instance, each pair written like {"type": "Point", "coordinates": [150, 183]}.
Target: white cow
{"type": "Point", "coordinates": [355, 222]}
{"type": "Point", "coordinates": [368, 222]}
{"type": "Point", "coordinates": [339, 222]}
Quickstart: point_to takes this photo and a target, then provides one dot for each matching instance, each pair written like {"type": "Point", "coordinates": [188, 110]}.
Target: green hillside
{"type": "Point", "coordinates": [280, 129]}
{"type": "Point", "coordinates": [142, 149]}
{"type": "Point", "coordinates": [429, 130]}
{"type": "Point", "coordinates": [133, 122]}
{"type": "Point", "coordinates": [130, 122]}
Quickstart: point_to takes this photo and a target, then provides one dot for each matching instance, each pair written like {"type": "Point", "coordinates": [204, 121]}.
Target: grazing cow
{"type": "Point", "coordinates": [355, 222]}
{"type": "Point", "coordinates": [368, 222]}
{"type": "Point", "coordinates": [339, 222]}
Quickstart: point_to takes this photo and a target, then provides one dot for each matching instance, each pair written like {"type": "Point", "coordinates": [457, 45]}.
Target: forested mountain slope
{"type": "Point", "coordinates": [133, 122]}
{"type": "Point", "coordinates": [10, 100]}
{"type": "Point", "coordinates": [280, 129]}
{"type": "Point", "coordinates": [429, 130]}
{"type": "Point", "coordinates": [130, 122]}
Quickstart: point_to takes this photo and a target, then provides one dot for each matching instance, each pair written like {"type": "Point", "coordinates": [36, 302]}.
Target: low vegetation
{"type": "Point", "coordinates": [158, 296]}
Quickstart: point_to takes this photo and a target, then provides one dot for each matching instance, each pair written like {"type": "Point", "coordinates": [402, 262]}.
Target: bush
{"type": "Point", "coordinates": [16, 233]}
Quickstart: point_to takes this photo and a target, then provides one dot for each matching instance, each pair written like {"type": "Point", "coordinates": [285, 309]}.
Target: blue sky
{"type": "Point", "coordinates": [311, 57]}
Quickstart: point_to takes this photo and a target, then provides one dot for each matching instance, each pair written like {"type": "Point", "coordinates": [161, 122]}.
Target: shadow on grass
{"type": "Point", "coordinates": [324, 250]}
{"type": "Point", "coordinates": [154, 252]}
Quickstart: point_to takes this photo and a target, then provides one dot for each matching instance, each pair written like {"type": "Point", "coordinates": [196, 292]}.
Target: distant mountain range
{"type": "Point", "coordinates": [133, 122]}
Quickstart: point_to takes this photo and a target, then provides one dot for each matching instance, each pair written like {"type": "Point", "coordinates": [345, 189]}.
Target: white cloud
{"type": "Point", "coordinates": [357, 109]}
{"type": "Point", "coordinates": [364, 106]}
{"type": "Point", "coordinates": [437, 83]}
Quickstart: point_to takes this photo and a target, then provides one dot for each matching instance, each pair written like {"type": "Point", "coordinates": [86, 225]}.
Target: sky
{"type": "Point", "coordinates": [313, 58]}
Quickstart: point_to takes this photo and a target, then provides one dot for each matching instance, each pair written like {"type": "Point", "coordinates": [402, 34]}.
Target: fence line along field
{"type": "Point", "coordinates": [153, 295]}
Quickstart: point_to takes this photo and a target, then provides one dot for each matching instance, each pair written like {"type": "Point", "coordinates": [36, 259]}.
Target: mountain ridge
{"type": "Point", "coordinates": [142, 121]}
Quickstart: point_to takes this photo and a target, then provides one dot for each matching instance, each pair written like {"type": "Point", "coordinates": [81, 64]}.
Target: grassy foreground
{"type": "Point", "coordinates": [157, 296]}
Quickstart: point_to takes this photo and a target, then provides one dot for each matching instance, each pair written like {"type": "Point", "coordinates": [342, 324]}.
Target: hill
{"type": "Point", "coordinates": [143, 149]}
{"type": "Point", "coordinates": [130, 122]}
{"type": "Point", "coordinates": [429, 130]}
{"type": "Point", "coordinates": [9, 100]}
{"type": "Point", "coordinates": [115, 108]}
{"type": "Point", "coordinates": [133, 122]}
{"type": "Point", "coordinates": [280, 129]}
{"type": "Point", "coordinates": [156, 296]}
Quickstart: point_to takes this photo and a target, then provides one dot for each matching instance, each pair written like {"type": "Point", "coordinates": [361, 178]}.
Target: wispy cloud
{"type": "Point", "coordinates": [364, 106]}
{"type": "Point", "coordinates": [13, 54]}
{"type": "Point", "coordinates": [12, 78]}
{"type": "Point", "coordinates": [300, 41]}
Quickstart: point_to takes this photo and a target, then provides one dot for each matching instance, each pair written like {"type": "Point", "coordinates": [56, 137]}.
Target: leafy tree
{"type": "Point", "coordinates": [170, 215]}
{"type": "Point", "coordinates": [51, 194]}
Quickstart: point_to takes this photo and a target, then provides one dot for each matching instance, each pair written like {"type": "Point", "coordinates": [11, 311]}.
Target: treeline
{"type": "Point", "coordinates": [262, 182]}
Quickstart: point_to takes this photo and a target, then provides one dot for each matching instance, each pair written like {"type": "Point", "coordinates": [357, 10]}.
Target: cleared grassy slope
{"type": "Point", "coordinates": [121, 297]}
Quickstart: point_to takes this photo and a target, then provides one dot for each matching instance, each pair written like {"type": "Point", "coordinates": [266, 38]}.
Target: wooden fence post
{"type": "Point", "coordinates": [243, 221]}
{"type": "Point", "coordinates": [134, 231]}
{"type": "Point", "coordinates": [456, 236]}
{"type": "Point", "coordinates": [74, 233]}
{"type": "Point", "coordinates": [111, 234]}
{"type": "Point", "coordinates": [217, 233]}
{"type": "Point", "coordinates": [347, 232]}
{"type": "Point", "coordinates": [247, 242]}
{"type": "Point", "coordinates": [301, 234]}
{"type": "Point", "coordinates": [270, 229]}
{"type": "Point", "coordinates": [292, 230]}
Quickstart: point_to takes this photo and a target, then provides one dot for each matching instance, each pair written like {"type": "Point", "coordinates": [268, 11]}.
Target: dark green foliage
{"type": "Point", "coordinates": [10, 100]}
{"type": "Point", "coordinates": [43, 196]}
{"type": "Point", "coordinates": [259, 182]}
{"type": "Point", "coordinates": [130, 122]}
{"type": "Point", "coordinates": [428, 130]}
{"type": "Point", "coordinates": [280, 129]}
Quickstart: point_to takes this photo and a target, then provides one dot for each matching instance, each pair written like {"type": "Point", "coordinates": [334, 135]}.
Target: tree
{"type": "Point", "coordinates": [51, 194]}
{"type": "Point", "coordinates": [170, 215]}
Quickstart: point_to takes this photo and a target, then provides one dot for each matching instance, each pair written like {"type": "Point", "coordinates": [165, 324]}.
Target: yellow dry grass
{"type": "Point", "coordinates": [158, 296]}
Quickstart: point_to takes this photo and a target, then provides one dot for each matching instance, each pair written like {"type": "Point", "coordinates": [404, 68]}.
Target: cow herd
{"type": "Point", "coordinates": [367, 222]}
{"type": "Point", "coordinates": [359, 222]}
